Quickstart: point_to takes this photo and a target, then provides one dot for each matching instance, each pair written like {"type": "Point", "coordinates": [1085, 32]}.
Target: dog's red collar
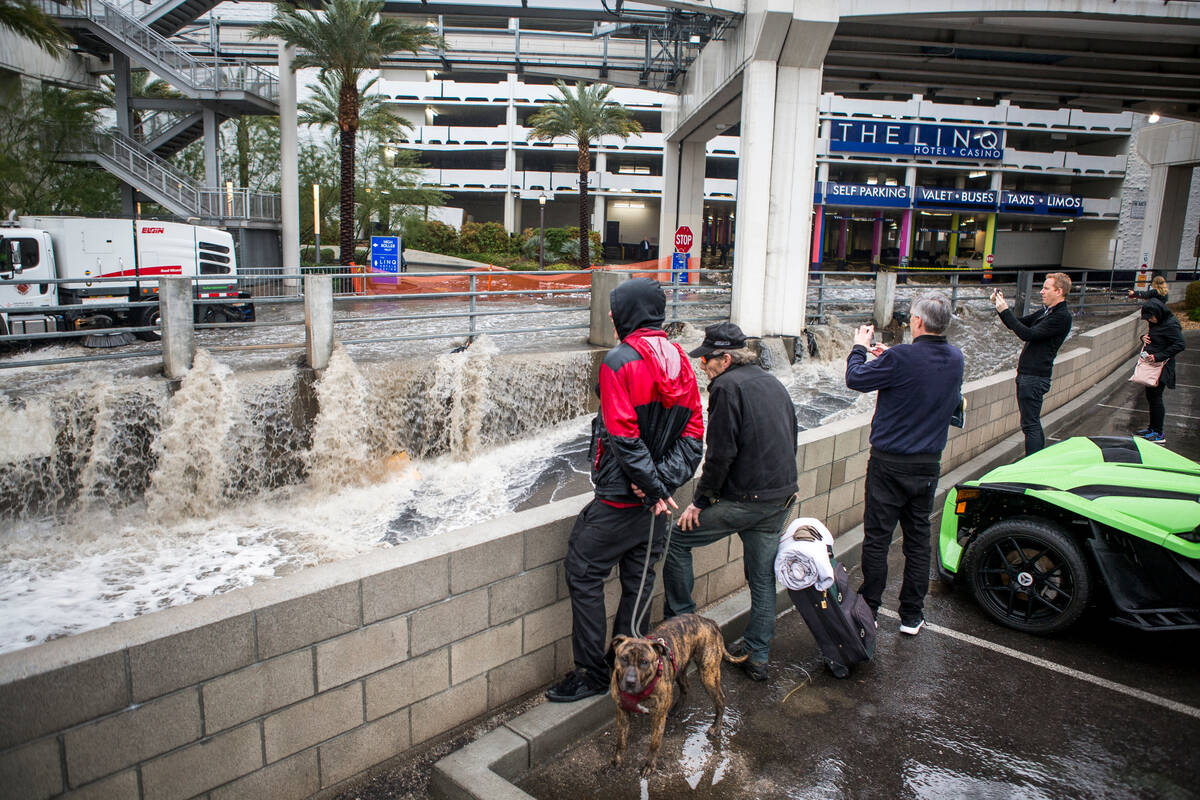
{"type": "Point", "coordinates": [633, 702]}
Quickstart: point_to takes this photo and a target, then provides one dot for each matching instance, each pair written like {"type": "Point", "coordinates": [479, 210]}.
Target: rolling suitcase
{"type": "Point", "coordinates": [840, 620]}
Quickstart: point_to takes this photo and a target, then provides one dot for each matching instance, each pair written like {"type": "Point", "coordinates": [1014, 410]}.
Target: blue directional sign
{"type": "Point", "coordinates": [862, 194]}
{"type": "Point", "coordinates": [935, 197]}
{"type": "Point", "coordinates": [385, 253]}
{"type": "Point", "coordinates": [1038, 203]}
{"type": "Point", "coordinates": [679, 266]}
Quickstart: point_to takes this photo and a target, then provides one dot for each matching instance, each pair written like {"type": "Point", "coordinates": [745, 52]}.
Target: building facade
{"type": "Point", "coordinates": [914, 183]}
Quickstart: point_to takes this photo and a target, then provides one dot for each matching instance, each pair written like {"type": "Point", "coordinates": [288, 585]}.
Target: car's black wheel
{"type": "Point", "coordinates": [1028, 574]}
{"type": "Point", "coordinates": [148, 316]}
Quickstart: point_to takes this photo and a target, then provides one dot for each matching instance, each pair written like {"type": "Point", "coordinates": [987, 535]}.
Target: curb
{"type": "Point", "coordinates": [484, 769]}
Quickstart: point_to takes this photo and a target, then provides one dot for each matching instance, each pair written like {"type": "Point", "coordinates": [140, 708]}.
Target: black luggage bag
{"type": "Point", "coordinates": [840, 621]}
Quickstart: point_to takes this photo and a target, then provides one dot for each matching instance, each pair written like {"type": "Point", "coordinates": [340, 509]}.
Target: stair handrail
{"type": "Point", "coordinates": [202, 74]}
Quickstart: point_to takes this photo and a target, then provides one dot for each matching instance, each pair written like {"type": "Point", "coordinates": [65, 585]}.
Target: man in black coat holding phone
{"type": "Point", "coordinates": [1043, 332]}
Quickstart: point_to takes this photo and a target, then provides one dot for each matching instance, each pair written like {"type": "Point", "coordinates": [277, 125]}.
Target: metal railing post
{"type": "Point", "coordinates": [471, 319]}
{"type": "Point", "coordinates": [318, 320]}
{"type": "Point", "coordinates": [953, 292]}
{"type": "Point", "coordinates": [821, 296]}
{"type": "Point", "coordinates": [1082, 291]}
{"type": "Point", "coordinates": [177, 321]}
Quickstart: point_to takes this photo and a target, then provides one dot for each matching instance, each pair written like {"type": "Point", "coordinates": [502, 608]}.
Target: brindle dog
{"type": "Point", "coordinates": [647, 670]}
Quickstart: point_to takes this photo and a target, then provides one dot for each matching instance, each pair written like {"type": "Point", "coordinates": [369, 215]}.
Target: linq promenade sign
{"type": "Point", "coordinates": [915, 139]}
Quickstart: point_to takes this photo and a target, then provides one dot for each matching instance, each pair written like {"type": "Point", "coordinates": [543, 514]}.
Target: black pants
{"type": "Point", "coordinates": [604, 536]}
{"type": "Point", "coordinates": [900, 492]}
{"type": "Point", "coordinates": [1158, 411]}
{"type": "Point", "coordinates": [1030, 391]}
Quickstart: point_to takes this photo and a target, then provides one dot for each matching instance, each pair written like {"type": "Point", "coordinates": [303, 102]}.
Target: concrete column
{"type": "Point", "coordinates": [289, 175]}
{"type": "Point", "coordinates": [212, 156]}
{"type": "Point", "coordinates": [754, 196]}
{"type": "Point", "coordinates": [877, 240]}
{"type": "Point", "coordinates": [318, 320]}
{"type": "Point", "coordinates": [885, 297]}
{"type": "Point", "coordinates": [121, 96]}
{"type": "Point", "coordinates": [793, 180]}
{"type": "Point", "coordinates": [843, 235]}
{"type": "Point", "coordinates": [907, 218]}
{"type": "Point", "coordinates": [512, 202]}
{"type": "Point", "coordinates": [1166, 208]}
{"type": "Point", "coordinates": [602, 333]}
{"type": "Point", "coordinates": [178, 334]}
{"type": "Point", "coordinates": [599, 213]}
{"type": "Point", "coordinates": [989, 242]}
{"type": "Point", "coordinates": [683, 193]}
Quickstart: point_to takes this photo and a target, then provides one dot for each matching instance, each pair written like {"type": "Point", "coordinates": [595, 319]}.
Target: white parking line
{"type": "Point", "coordinates": [1123, 408]}
{"type": "Point", "coordinates": [1121, 688]}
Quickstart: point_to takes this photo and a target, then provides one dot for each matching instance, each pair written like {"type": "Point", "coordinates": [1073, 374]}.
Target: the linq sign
{"type": "Point", "coordinates": [906, 138]}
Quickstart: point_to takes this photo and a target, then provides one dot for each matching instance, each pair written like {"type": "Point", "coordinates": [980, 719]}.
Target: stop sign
{"type": "Point", "coordinates": [683, 239]}
{"type": "Point", "coordinates": [990, 258]}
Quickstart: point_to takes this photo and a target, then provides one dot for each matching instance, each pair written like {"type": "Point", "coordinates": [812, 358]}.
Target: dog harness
{"type": "Point", "coordinates": [633, 702]}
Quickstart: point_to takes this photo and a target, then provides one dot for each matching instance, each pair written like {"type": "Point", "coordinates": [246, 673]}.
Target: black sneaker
{"type": "Point", "coordinates": [573, 687]}
{"type": "Point", "coordinates": [837, 670]}
{"type": "Point", "coordinates": [1142, 432]}
{"type": "Point", "coordinates": [912, 626]}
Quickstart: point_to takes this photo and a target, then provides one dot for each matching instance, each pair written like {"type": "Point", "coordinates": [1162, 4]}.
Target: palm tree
{"type": "Point", "coordinates": [321, 109]}
{"type": "Point", "coordinates": [346, 38]}
{"type": "Point", "coordinates": [25, 18]}
{"type": "Point", "coordinates": [583, 116]}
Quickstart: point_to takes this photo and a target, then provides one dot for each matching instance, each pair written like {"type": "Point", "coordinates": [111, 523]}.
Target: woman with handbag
{"type": "Point", "coordinates": [1160, 345]}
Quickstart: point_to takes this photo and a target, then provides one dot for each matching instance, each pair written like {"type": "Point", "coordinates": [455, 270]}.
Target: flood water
{"type": "Point", "coordinates": [120, 498]}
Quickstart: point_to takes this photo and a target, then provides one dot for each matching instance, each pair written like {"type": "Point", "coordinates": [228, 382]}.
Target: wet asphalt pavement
{"type": "Point", "coordinates": [966, 709]}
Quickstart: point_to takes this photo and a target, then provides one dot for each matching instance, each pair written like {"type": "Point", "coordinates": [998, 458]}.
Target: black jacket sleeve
{"type": "Point", "coordinates": [1037, 326]}
{"type": "Point", "coordinates": [1166, 340]}
{"type": "Point", "coordinates": [724, 421]}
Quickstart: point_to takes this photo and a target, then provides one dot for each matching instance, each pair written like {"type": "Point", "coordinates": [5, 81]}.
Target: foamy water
{"type": "Point", "coordinates": [123, 499]}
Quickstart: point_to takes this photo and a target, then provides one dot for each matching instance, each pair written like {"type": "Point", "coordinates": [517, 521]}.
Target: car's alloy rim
{"type": "Point", "coordinates": [1026, 579]}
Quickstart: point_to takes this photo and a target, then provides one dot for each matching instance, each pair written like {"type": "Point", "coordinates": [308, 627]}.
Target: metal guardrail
{"type": "Point", "coordinates": [462, 317]}
{"type": "Point", "coordinates": [1092, 291]}
{"type": "Point", "coordinates": [196, 73]}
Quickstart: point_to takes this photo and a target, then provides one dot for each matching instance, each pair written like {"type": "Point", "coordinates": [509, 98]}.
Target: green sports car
{"type": "Point", "coordinates": [1036, 539]}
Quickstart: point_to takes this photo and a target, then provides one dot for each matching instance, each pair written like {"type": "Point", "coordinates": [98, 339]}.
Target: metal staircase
{"type": "Point", "coordinates": [103, 27]}
{"type": "Point", "coordinates": [173, 189]}
{"type": "Point", "coordinates": [229, 87]}
{"type": "Point", "coordinates": [170, 16]}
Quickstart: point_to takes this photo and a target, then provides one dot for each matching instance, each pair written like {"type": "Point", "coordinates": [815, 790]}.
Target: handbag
{"type": "Point", "coordinates": [1147, 373]}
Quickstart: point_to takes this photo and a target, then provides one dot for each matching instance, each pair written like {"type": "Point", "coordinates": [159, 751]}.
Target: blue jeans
{"type": "Point", "coordinates": [758, 526]}
{"type": "Point", "coordinates": [1030, 391]}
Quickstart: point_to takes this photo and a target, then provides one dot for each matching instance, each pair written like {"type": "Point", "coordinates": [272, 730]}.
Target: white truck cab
{"type": "Point", "coordinates": [129, 254]}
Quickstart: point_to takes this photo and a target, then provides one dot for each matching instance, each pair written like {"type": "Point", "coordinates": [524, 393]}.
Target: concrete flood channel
{"type": "Point", "coordinates": [965, 709]}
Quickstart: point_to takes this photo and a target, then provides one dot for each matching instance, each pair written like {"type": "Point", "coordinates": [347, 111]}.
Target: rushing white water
{"type": "Point", "coordinates": [120, 497]}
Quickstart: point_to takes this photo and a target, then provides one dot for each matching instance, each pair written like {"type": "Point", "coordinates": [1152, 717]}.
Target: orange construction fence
{"type": "Point", "coordinates": [499, 279]}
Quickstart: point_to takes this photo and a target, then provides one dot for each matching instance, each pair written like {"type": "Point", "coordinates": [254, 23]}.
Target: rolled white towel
{"type": "Point", "coordinates": [801, 564]}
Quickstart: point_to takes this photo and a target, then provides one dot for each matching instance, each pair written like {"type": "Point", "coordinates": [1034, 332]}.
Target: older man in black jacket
{"type": "Point", "coordinates": [749, 475]}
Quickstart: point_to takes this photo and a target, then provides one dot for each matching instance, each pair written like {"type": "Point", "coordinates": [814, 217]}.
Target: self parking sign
{"type": "Point", "coordinates": [385, 253]}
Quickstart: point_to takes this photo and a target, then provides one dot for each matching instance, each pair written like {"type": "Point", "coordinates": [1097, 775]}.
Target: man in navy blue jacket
{"type": "Point", "coordinates": [919, 387]}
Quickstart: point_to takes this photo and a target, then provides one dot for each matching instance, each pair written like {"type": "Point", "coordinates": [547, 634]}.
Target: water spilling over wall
{"type": "Point", "coordinates": [107, 443]}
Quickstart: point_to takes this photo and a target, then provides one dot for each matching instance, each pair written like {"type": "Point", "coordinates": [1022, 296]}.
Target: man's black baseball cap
{"type": "Point", "coordinates": [722, 336]}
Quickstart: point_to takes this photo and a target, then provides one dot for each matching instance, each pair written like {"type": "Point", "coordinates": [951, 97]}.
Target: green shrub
{"type": "Point", "coordinates": [1191, 299]}
{"type": "Point", "coordinates": [430, 235]}
{"type": "Point", "coordinates": [1194, 314]}
{"type": "Point", "coordinates": [485, 237]}
{"type": "Point", "coordinates": [562, 245]}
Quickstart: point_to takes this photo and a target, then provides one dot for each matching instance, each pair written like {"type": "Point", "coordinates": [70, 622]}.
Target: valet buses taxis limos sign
{"type": "Point", "coordinates": [917, 139]}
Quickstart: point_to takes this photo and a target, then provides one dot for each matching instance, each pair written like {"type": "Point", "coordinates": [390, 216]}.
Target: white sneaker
{"type": "Point", "coordinates": [912, 627]}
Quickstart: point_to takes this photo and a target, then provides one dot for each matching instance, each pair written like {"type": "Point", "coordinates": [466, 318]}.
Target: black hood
{"type": "Point", "coordinates": [637, 303]}
{"type": "Point", "coordinates": [1157, 309]}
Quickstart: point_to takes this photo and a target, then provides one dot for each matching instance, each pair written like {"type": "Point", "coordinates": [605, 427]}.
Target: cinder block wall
{"type": "Point", "coordinates": [292, 686]}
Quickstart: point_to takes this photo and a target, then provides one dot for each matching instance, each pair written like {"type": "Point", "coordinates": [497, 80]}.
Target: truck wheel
{"type": "Point", "coordinates": [146, 317]}
{"type": "Point", "coordinates": [1028, 574]}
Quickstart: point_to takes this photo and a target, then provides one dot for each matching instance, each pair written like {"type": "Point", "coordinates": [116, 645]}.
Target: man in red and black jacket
{"type": "Point", "coordinates": [647, 441]}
